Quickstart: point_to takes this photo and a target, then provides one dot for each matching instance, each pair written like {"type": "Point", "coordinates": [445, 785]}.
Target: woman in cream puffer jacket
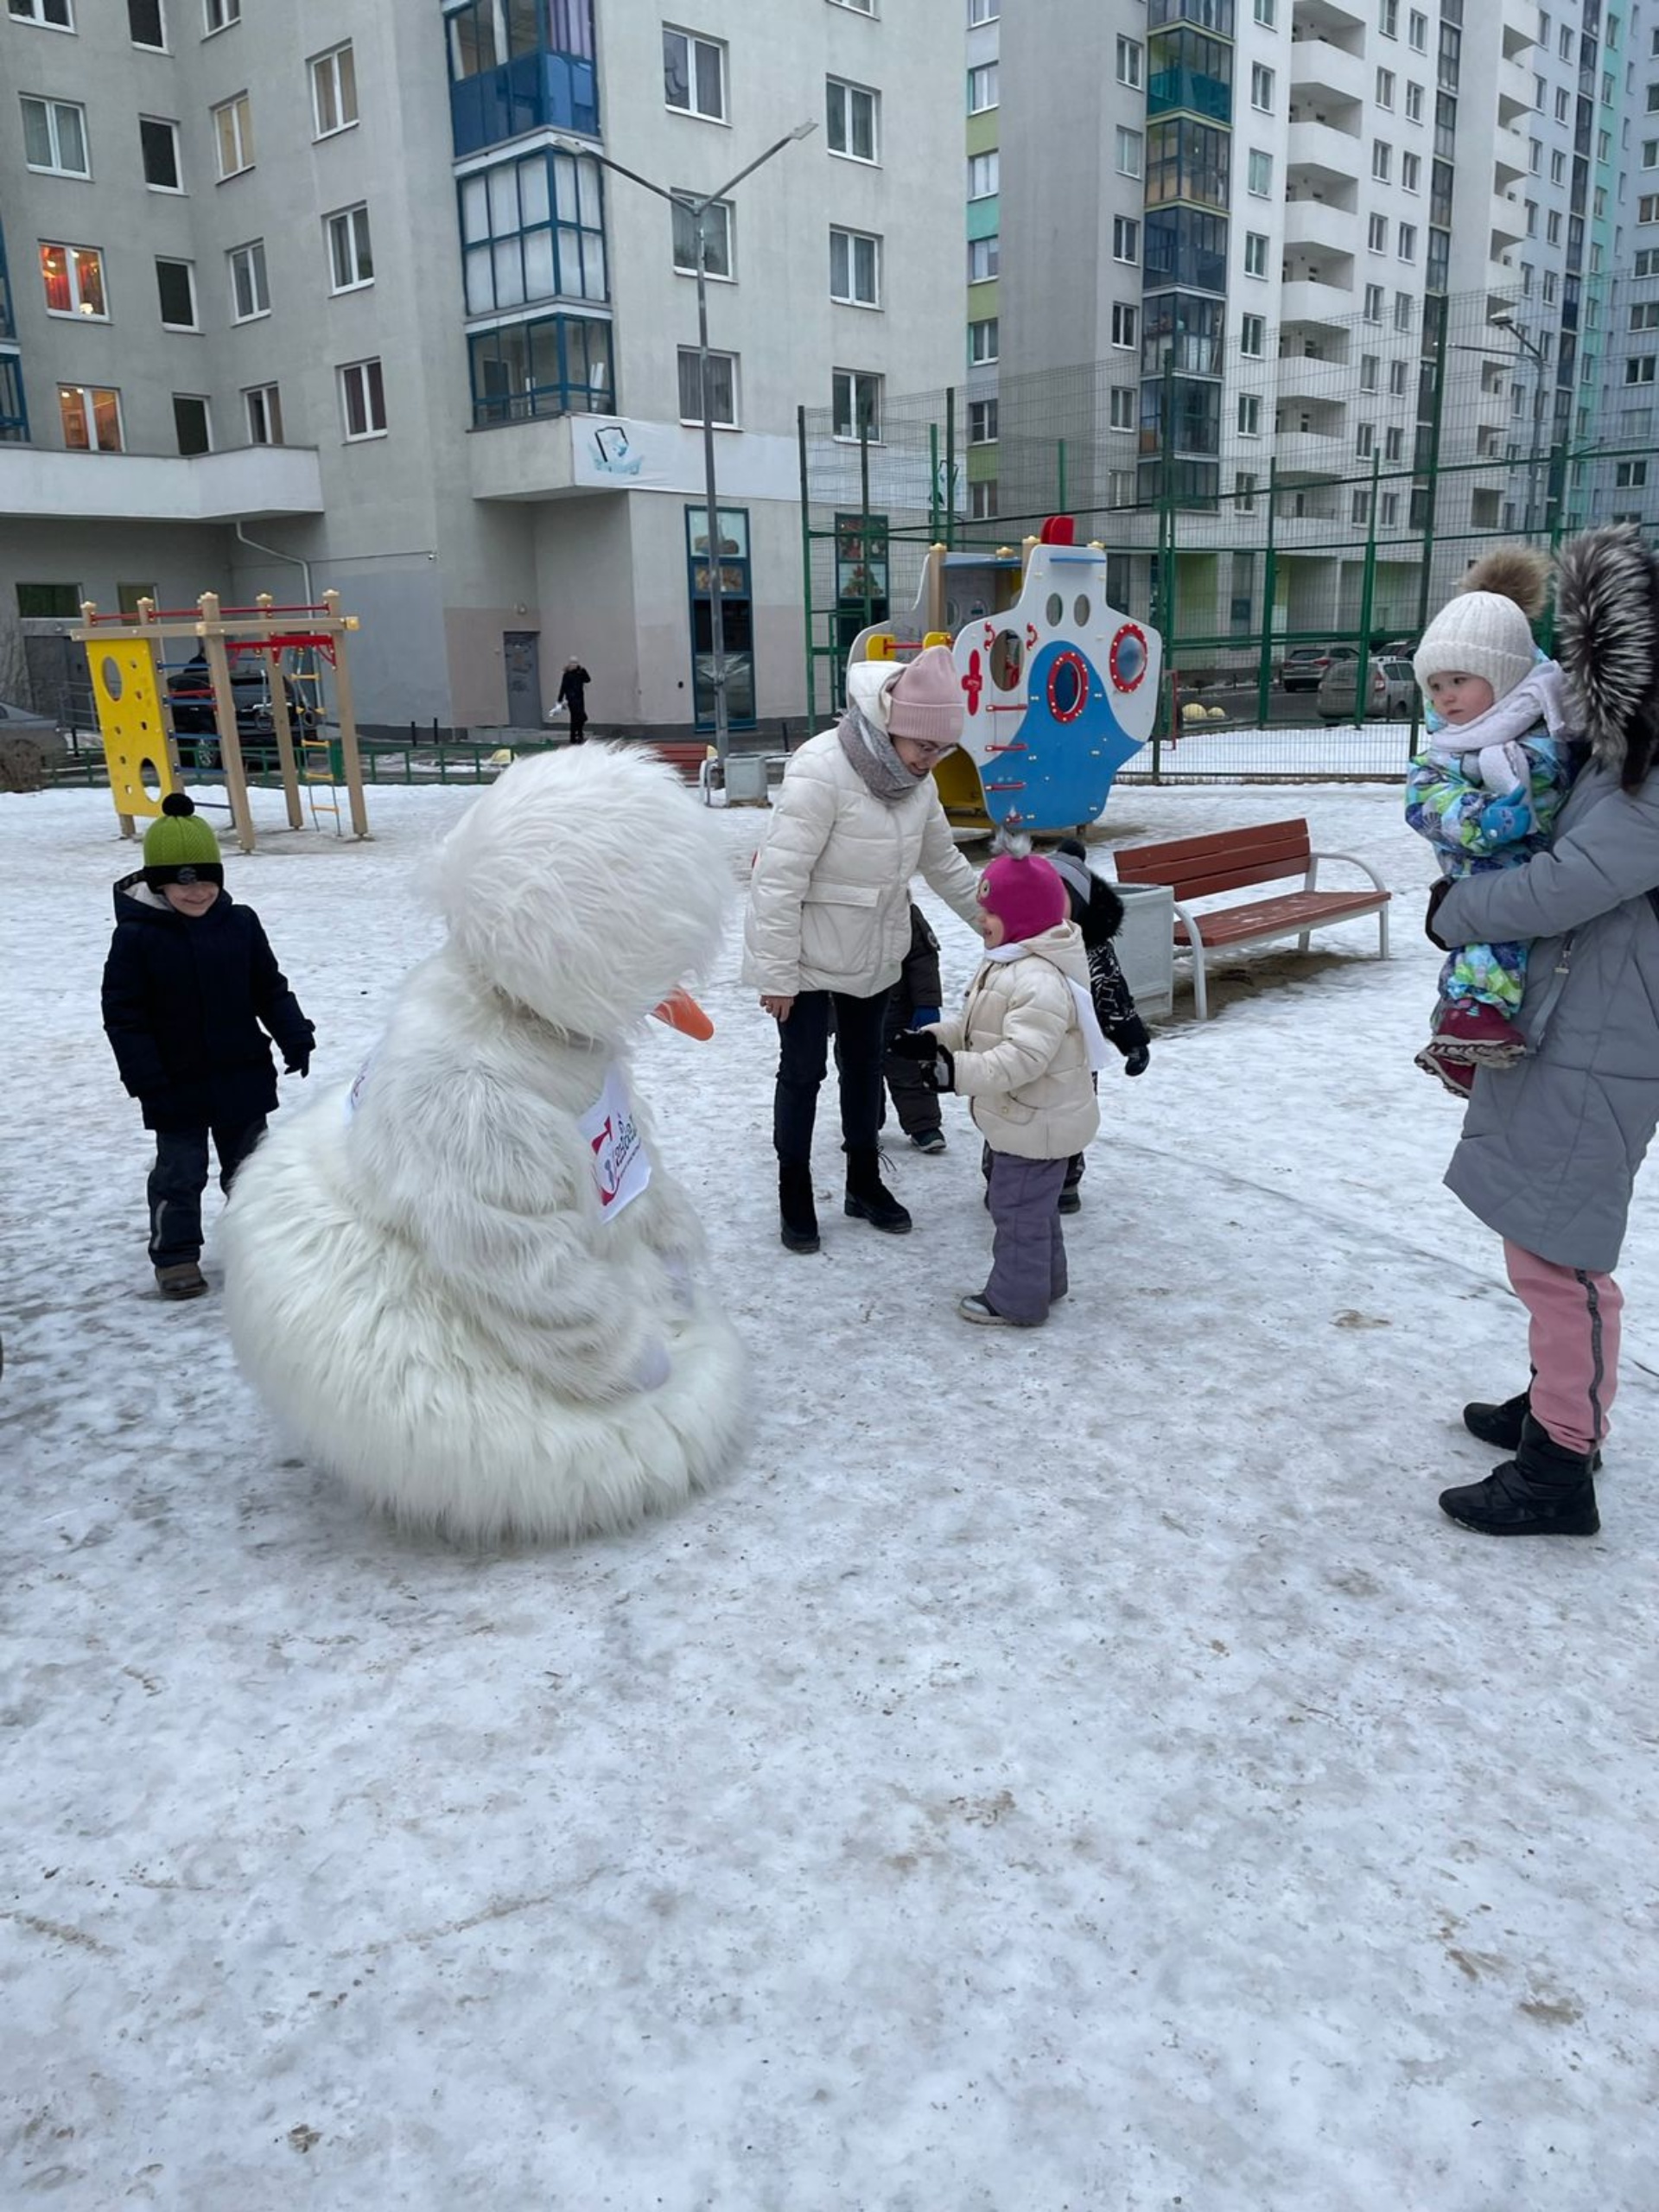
{"type": "Point", "coordinates": [1021, 1058]}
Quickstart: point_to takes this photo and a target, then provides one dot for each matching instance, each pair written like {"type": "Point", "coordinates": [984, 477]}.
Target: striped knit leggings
{"type": "Point", "coordinates": [1574, 1345]}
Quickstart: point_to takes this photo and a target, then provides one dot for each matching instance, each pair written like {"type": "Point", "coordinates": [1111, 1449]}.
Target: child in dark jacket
{"type": "Point", "coordinates": [1098, 911]}
{"type": "Point", "coordinates": [915, 1001]}
{"type": "Point", "coordinates": [189, 979]}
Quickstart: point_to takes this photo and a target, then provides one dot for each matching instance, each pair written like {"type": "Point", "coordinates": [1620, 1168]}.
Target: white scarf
{"type": "Point", "coordinates": [1488, 750]}
{"type": "Point", "coordinates": [1093, 1035]}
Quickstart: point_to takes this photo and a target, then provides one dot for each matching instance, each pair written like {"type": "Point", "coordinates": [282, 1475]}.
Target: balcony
{"type": "Point", "coordinates": [1301, 376]}
{"type": "Point", "coordinates": [1319, 151]}
{"type": "Point", "coordinates": [1514, 92]}
{"type": "Point", "coordinates": [248, 483]}
{"type": "Point", "coordinates": [1307, 452]}
{"type": "Point", "coordinates": [551, 454]}
{"type": "Point", "coordinates": [1320, 71]}
{"type": "Point", "coordinates": [1311, 299]}
{"type": "Point", "coordinates": [1508, 224]}
{"type": "Point", "coordinates": [1330, 18]}
{"type": "Point", "coordinates": [1509, 159]}
{"type": "Point", "coordinates": [533, 91]}
{"type": "Point", "coordinates": [1317, 225]}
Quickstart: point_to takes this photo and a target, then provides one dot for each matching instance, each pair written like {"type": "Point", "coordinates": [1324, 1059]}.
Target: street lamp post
{"type": "Point", "coordinates": [1540, 362]}
{"type": "Point", "coordinates": [697, 206]}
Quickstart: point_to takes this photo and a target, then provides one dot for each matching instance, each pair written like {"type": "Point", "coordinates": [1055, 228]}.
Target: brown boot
{"type": "Point", "coordinates": [185, 1280]}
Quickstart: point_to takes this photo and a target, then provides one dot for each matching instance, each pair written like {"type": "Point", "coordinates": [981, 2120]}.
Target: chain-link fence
{"type": "Point", "coordinates": [1289, 521]}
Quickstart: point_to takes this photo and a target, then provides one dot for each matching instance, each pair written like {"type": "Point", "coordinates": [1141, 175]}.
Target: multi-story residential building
{"type": "Point", "coordinates": [984, 254]}
{"type": "Point", "coordinates": [337, 292]}
{"type": "Point", "coordinates": [1624, 486]}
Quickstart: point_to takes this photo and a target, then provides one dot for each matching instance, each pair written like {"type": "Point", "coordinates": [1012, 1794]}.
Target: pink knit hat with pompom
{"type": "Point", "coordinates": [1027, 895]}
{"type": "Point", "coordinates": [925, 700]}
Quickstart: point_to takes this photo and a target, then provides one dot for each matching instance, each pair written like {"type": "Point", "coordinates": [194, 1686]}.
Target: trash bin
{"type": "Point", "coordinates": [1146, 945]}
{"type": "Point", "coordinates": [746, 779]}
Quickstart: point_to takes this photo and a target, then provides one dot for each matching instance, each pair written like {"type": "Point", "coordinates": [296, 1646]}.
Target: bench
{"type": "Point", "coordinates": [1200, 867]}
{"type": "Point", "coordinates": [685, 756]}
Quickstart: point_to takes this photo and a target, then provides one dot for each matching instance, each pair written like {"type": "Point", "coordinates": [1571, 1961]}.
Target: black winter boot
{"type": "Point", "coordinates": [799, 1216]}
{"type": "Point", "coordinates": [1504, 1425]}
{"type": "Point", "coordinates": [1543, 1491]}
{"type": "Point", "coordinates": [867, 1196]}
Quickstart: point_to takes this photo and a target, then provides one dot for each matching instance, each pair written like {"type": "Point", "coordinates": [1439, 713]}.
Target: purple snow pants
{"type": "Point", "coordinates": [1028, 1259]}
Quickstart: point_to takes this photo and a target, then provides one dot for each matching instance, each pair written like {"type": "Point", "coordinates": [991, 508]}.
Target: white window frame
{"type": "Point", "coordinates": [1411, 172]}
{"type": "Point", "coordinates": [683, 252]}
{"type": "Point", "coordinates": [1131, 63]}
{"type": "Point", "coordinates": [1250, 414]}
{"type": "Point", "coordinates": [1414, 103]}
{"type": "Point", "coordinates": [855, 379]}
{"type": "Point", "coordinates": [982, 499]}
{"type": "Point", "coordinates": [982, 11]}
{"type": "Point", "coordinates": [850, 240]}
{"type": "Point", "coordinates": [1376, 298]}
{"type": "Point", "coordinates": [239, 110]}
{"type": "Point", "coordinates": [990, 249]}
{"type": "Point", "coordinates": [254, 250]}
{"type": "Point", "coordinates": [1130, 152]}
{"type": "Point", "coordinates": [984, 88]}
{"type": "Point", "coordinates": [1125, 407]}
{"type": "Point", "coordinates": [75, 311]}
{"type": "Point", "coordinates": [1385, 89]}
{"type": "Point", "coordinates": [981, 166]}
{"type": "Point", "coordinates": [38, 16]}
{"type": "Point", "coordinates": [689, 354]}
{"type": "Point", "coordinates": [855, 7]}
{"type": "Point", "coordinates": [1376, 233]}
{"type": "Point", "coordinates": [219, 15]}
{"type": "Point", "coordinates": [1125, 327]}
{"type": "Point", "coordinates": [1405, 241]}
{"type": "Point", "coordinates": [327, 67]}
{"type": "Point", "coordinates": [360, 370]}
{"type": "Point", "coordinates": [847, 89]}
{"type": "Point", "coordinates": [691, 41]}
{"type": "Point", "coordinates": [262, 403]}
{"type": "Point", "coordinates": [1262, 88]}
{"type": "Point", "coordinates": [177, 261]}
{"type": "Point", "coordinates": [1126, 240]}
{"type": "Point", "coordinates": [350, 242]}
{"type": "Point", "coordinates": [1255, 253]}
{"type": "Point", "coordinates": [52, 110]}
{"type": "Point", "coordinates": [201, 400]}
{"type": "Point", "coordinates": [1252, 326]}
{"type": "Point", "coordinates": [977, 357]}
{"type": "Point", "coordinates": [89, 397]}
{"type": "Point", "coordinates": [982, 421]}
{"type": "Point", "coordinates": [145, 45]}
{"type": "Point", "coordinates": [163, 123]}
{"type": "Point", "coordinates": [1257, 160]}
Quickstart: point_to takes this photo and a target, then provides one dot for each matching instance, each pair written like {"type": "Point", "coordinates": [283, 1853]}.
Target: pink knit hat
{"type": "Point", "coordinates": [925, 700]}
{"type": "Point", "coordinates": [1027, 896]}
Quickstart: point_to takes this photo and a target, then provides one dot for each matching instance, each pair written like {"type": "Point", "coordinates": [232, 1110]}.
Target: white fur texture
{"type": "Point", "coordinates": [425, 1291]}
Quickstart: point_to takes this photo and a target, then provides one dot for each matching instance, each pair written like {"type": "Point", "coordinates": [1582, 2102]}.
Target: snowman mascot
{"type": "Point", "coordinates": [464, 1282]}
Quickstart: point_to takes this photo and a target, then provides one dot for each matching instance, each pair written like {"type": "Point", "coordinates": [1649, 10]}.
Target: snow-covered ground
{"type": "Point", "coordinates": [1072, 1772]}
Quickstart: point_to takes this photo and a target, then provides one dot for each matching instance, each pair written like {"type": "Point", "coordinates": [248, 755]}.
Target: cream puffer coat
{"type": "Point", "coordinates": [1022, 1060]}
{"type": "Point", "coordinates": [829, 898]}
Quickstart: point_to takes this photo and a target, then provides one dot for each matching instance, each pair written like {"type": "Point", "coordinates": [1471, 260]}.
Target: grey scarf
{"type": "Point", "coordinates": [870, 750]}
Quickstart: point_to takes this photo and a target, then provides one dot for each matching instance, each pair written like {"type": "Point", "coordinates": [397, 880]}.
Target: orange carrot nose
{"type": "Point", "coordinates": [681, 1011]}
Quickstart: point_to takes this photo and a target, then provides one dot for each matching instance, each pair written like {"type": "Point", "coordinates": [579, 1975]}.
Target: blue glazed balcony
{"type": "Point", "coordinates": [533, 91]}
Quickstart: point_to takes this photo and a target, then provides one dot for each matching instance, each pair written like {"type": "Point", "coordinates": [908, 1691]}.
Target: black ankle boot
{"type": "Point", "coordinates": [799, 1216]}
{"type": "Point", "coordinates": [1504, 1425]}
{"type": "Point", "coordinates": [1543, 1491]}
{"type": "Point", "coordinates": [867, 1196]}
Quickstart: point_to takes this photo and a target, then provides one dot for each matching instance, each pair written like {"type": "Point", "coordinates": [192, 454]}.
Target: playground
{"type": "Point", "coordinates": [1083, 1770]}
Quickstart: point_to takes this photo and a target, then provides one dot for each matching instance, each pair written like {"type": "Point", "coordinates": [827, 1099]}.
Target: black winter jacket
{"type": "Point", "coordinates": [183, 1001]}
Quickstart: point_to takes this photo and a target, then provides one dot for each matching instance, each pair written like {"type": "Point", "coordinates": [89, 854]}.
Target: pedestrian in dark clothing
{"type": "Point", "coordinates": [191, 987]}
{"type": "Point", "coordinates": [1098, 913]}
{"type": "Point", "coordinates": [915, 1001]}
{"type": "Point", "coordinates": [573, 694]}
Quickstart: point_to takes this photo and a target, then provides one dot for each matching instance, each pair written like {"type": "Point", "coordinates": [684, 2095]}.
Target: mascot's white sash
{"type": "Point", "coordinates": [621, 1164]}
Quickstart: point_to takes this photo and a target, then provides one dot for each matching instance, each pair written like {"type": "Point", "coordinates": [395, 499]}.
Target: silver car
{"type": "Point", "coordinates": [1389, 697]}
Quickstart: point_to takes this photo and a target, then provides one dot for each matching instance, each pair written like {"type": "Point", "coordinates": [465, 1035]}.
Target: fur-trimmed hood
{"type": "Point", "coordinates": [1607, 643]}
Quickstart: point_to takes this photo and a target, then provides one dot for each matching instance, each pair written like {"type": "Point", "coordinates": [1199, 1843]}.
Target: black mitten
{"type": "Point", "coordinates": [1435, 899]}
{"type": "Point", "coordinates": [297, 1063]}
{"type": "Point", "coordinates": [1138, 1061]}
{"type": "Point", "coordinates": [930, 1060]}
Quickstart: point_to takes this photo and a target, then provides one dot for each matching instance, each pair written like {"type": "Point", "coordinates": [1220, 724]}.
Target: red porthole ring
{"type": "Point", "coordinates": [1128, 658]}
{"type": "Point", "coordinates": [1068, 686]}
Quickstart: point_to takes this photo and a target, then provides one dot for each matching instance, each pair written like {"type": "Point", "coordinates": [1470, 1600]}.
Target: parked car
{"type": "Point", "coordinates": [195, 724]}
{"type": "Point", "coordinates": [1389, 696]}
{"type": "Point", "coordinates": [31, 746]}
{"type": "Point", "coordinates": [1305, 666]}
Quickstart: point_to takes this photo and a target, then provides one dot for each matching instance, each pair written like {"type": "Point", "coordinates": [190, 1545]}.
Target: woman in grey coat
{"type": "Point", "coordinates": [1550, 1146]}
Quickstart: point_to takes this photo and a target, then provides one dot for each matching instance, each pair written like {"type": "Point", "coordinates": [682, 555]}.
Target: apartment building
{"type": "Point", "coordinates": [313, 293]}
{"type": "Point", "coordinates": [984, 229]}
{"type": "Point", "coordinates": [1624, 486]}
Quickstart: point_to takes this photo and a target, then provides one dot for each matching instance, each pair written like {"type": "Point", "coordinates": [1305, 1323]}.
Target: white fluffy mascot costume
{"type": "Point", "coordinates": [463, 1282]}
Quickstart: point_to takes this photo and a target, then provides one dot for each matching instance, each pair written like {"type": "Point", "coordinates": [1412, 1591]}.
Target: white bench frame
{"type": "Point", "coordinates": [1300, 931]}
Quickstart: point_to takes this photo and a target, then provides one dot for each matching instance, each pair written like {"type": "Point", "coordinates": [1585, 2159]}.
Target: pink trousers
{"type": "Point", "coordinates": [1574, 1345]}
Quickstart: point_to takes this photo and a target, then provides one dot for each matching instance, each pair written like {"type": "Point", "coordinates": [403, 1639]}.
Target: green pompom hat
{"type": "Point", "coordinates": [181, 848]}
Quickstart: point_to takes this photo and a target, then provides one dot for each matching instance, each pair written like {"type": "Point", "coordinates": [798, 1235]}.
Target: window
{"type": "Point", "coordinates": [249, 295]}
{"type": "Point", "coordinates": [1261, 88]}
{"type": "Point", "coordinates": [1123, 407]}
{"type": "Point", "coordinates": [1403, 304]}
{"type": "Point", "coordinates": [551, 364]}
{"type": "Point", "coordinates": [1385, 88]}
{"type": "Point", "coordinates": [857, 7]}
{"type": "Point", "coordinates": [1121, 488]}
{"type": "Point", "coordinates": [1647, 261]}
{"type": "Point", "coordinates": [264, 405]}
{"type": "Point", "coordinates": [1129, 61]}
{"type": "Point", "coordinates": [1629, 475]}
{"type": "Point", "coordinates": [857, 405]}
{"type": "Point", "coordinates": [233, 134]}
{"type": "Point", "coordinates": [980, 11]}
{"type": "Point", "coordinates": [1558, 167]}
{"type": "Point", "coordinates": [533, 229]}
{"type": "Point", "coordinates": [1644, 315]}
{"type": "Point", "coordinates": [1647, 207]}
{"type": "Point", "coordinates": [1373, 303]}
{"type": "Point", "coordinates": [1640, 371]}
{"type": "Point", "coordinates": [982, 338]}
{"type": "Point", "coordinates": [52, 15]}
{"type": "Point", "coordinates": [350, 258]}
{"type": "Point", "coordinates": [54, 137]}
{"type": "Point", "coordinates": [1398, 372]}
{"type": "Point", "coordinates": [92, 418]}
{"type": "Point", "coordinates": [1562, 104]}
{"type": "Point", "coordinates": [190, 423]}
{"type": "Point", "coordinates": [855, 269]}
{"type": "Point", "coordinates": [982, 88]}
{"type": "Point", "coordinates": [694, 75]}
{"type": "Point", "coordinates": [1394, 444]}
{"type": "Point", "coordinates": [982, 499]}
{"type": "Point", "coordinates": [1406, 242]}
{"type": "Point", "coordinates": [145, 24]}
{"type": "Point", "coordinates": [1411, 172]}
{"type": "Point", "coordinates": [1376, 233]}
{"type": "Point", "coordinates": [1417, 31]}
{"type": "Point", "coordinates": [984, 258]}
{"type": "Point", "coordinates": [853, 120]}
{"type": "Point", "coordinates": [1252, 336]}
{"type": "Point", "coordinates": [1126, 238]}
{"type": "Point", "coordinates": [1565, 48]}
{"type": "Point", "coordinates": [363, 400]}
{"type": "Point", "coordinates": [984, 171]}
{"type": "Point", "coordinates": [1389, 18]}
{"type": "Point", "coordinates": [982, 421]}
{"type": "Point", "coordinates": [220, 15]}
{"type": "Point", "coordinates": [73, 276]}
{"type": "Point", "coordinates": [1382, 160]}
{"type": "Point", "coordinates": [1553, 229]}
{"type": "Point", "coordinates": [1125, 324]}
{"type": "Point", "coordinates": [718, 260]}
{"type": "Point", "coordinates": [176, 287]}
{"type": "Point", "coordinates": [1244, 492]}
{"type": "Point", "coordinates": [50, 602]}
{"type": "Point", "coordinates": [158, 146]}
{"type": "Point", "coordinates": [1369, 367]}
{"type": "Point", "coordinates": [1365, 440]}
{"type": "Point", "coordinates": [1651, 153]}
{"type": "Point", "coordinates": [1414, 103]}
{"type": "Point", "coordinates": [1390, 510]}
{"type": "Point", "coordinates": [1250, 414]}
{"type": "Point", "coordinates": [1259, 175]}
{"type": "Point", "coordinates": [1129, 152]}
{"type": "Point", "coordinates": [1359, 507]}
{"type": "Point", "coordinates": [722, 388]}
{"type": "Point", "coordinates": [1255, 253]}
{"type": "Point", "coordinates": [334, 92]}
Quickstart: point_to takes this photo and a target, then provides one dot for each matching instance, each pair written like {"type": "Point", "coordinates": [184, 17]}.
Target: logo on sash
{"type": "Point", "coordinates": [621, 1165]}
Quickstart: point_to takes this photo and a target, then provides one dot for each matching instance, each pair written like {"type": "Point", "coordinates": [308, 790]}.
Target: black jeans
{"type": "Point", "coordinates": [804, 1055]}
{"type": "Point", "coordinates": [178, 1179]}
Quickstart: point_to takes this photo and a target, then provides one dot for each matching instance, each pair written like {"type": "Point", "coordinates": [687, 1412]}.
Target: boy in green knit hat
{"type": "Point", "coordinates": [191, 988]}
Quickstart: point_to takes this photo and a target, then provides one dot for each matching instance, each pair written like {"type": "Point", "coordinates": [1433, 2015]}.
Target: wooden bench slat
{"type": "Point", "coordinates": [1162, 863]}
{"type": "Point", "coordinates": [1265, 916]}
{"type": "Point", "coordinates": [1221, 875]}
